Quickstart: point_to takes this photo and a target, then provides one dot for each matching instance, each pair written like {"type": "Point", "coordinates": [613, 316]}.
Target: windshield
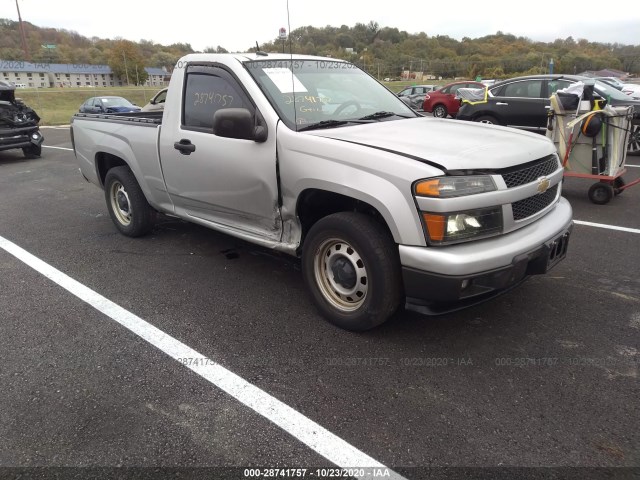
{"type": "Point", "coordinates": [331, 92]}
{"type": "Point", "coordinates": [116, 102]}
{"type": "Point", "coordinates": [607, 91]}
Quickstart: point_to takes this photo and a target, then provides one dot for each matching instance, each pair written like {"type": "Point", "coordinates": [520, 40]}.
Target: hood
{"type": "Point", "coordinates": [447, 144]}
{"type": "Point", "coordinates": [17, 115]}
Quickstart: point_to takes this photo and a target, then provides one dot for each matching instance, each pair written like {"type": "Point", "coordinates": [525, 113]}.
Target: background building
{"type": "Point", "coordinates": [49, 75]}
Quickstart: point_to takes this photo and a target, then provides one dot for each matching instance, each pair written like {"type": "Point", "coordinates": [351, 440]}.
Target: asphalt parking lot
{"type": "Point", "coordinates": [544, 376]}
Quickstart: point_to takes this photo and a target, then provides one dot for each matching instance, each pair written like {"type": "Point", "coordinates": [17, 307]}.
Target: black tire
{"type": "Point", "coordinates": [601, 193]}
{"type": "Point", "coordinates": [32, 151]}
{"type": "Point", "coordinates": [357, 248]}
{"type": "Point", "coordinates": [127, 205]}
{"type": "Point", "coordinates": [440, 111]}
{"type": "Point", "coordinates": [634, 139]}
{"type": "Point", "coordinates": [617, 184]}
{"type": "Point", "coordinates": [486, 119]}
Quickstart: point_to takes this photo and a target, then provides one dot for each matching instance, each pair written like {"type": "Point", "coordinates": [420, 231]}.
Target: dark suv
{"type": "Point", "coordinates": [523, 102]}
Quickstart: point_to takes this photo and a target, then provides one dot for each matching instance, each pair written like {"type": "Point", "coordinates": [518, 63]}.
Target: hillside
{"type": "Point", "coordinates": [385, 52]}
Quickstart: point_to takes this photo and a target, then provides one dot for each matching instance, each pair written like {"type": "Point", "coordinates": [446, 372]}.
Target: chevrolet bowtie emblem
{"type": "Point", "coordinates": [543, 185]}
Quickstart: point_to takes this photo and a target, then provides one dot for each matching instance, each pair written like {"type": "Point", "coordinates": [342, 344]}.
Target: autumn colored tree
{"type": "Point", "coordinates": [127, 62]}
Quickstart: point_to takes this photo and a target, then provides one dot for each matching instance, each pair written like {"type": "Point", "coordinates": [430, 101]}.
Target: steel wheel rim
{"type": "Point", "coordinates": [439, 112]}
{"type": "Point", "coordinates": [488, 122]}
{"type": "Point", "coordinates": [120, 203]}
{"type": "Point", "coordinates": [336, 257]}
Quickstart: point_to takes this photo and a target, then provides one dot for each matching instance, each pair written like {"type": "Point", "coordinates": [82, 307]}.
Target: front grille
{"type": "Point", "coordinates": [530, 206]}
{"type": "Point", "coordinates": [530, 172]}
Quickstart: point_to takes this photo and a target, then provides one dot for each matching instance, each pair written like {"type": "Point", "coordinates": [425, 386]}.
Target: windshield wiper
{"type": "Point", "coordinates": [382, 114]}
{"type": "Point", "coordinates": [325, 124]}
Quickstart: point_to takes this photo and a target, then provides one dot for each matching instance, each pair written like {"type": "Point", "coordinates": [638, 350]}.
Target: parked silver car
{"type": "Point", "coordinates": [414, 96]}
{"type": "Point", "coordinates": [157, 102]}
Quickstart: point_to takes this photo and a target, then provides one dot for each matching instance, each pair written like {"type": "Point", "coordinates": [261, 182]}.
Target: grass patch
{"type": "Point", "coordinates": [56, 106]}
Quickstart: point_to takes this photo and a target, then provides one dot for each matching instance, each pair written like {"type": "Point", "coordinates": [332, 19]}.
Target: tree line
{"type": "Point", "coordinates": [383, 52]}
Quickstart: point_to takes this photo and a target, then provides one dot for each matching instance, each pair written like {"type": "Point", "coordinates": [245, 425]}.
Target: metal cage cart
{"type": "Point", "coordinates": [591, 143]}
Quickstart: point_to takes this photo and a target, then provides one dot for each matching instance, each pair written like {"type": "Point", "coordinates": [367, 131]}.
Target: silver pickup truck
{"type": "Point", "coordinates": [313, 157]}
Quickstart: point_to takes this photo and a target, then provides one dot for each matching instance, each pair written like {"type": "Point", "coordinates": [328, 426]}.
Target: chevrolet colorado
{"type": "Point", "coordinates": [313, 157]}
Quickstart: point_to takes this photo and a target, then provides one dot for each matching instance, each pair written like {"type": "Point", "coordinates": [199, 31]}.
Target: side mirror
{"type": "Point", "coordinates": [238, 123]}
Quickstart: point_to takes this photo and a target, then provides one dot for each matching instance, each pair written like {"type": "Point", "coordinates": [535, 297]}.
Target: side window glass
{"type": "Point", "coordinates": [555, 85]}
{"type": "Point", "coordinates": [205, 94]}
{"type": "Point", "coordinates": [526, 89]}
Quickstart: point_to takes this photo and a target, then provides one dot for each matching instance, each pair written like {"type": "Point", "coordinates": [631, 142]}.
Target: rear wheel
{"type": "Point", "coordinates": [127, 205]}
{"type": "Point", "coordinates": [440, 111]}
{"type": "Point", "coordinates": [618, 183]}
{"type": "Point", "coordinates": [352, 270]}
{"type": "Point", "coordinates": [487, 119]}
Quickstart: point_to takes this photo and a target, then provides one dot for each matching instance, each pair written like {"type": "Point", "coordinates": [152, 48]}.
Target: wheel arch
{"type": "Point", "coordinates": [106, 161]}
{"type": "Point", "coordinates": [313, 204]}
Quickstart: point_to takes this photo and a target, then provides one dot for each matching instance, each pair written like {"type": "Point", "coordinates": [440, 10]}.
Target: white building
{"type": "Point", "coordinates": [48, 75]}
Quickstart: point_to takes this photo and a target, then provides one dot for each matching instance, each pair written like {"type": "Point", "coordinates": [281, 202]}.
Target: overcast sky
{"type": "Point", "coordinates": [237, 25]}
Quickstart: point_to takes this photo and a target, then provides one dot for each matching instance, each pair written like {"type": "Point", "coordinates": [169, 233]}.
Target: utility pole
{"type": "Point", "coordinates": [27, 57]}
{"type": "Point", "coordinates": [126, 72]}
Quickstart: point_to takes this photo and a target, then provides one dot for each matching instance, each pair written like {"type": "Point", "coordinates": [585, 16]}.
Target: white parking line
{"type": "Point", "coordinates": [609, 227]}
{"type": "Point", "coordinates": [291, 421]}
{"type": "Point", "coordinates": [58, 148]}
{"type": "Point", "coordinates": [632, 166]}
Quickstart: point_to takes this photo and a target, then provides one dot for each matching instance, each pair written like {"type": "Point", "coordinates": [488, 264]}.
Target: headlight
{"type": "Point", "coordinates": [447, 187]}
{"type": "Point", "coordinates": [457, 227]}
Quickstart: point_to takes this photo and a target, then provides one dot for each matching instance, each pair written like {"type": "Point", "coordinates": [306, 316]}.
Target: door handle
{"type": "Point", "coordinates": [502, 103]}
{"type": "Point", "coordinates": [548, 107]}
{"type": "Point", "coordinates": [185, 146]}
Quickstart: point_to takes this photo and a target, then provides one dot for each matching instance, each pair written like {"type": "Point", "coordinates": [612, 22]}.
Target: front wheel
{"type": "Point", "coordinates": [32, 151]}
{"type": "Point", "coordinates": [352, 270]}
{"type": "Point", "coordinates": [634, 139]}
{"type": "Point", "coordinates": [601, 193]}
{"type": "Point", "coordinates": [127, 205]}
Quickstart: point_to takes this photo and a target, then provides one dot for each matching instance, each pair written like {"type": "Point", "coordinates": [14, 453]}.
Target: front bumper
{"type": "Point", "coordinates": [442, 279]}
{"type": "Point", "coordinates": [22, 137]}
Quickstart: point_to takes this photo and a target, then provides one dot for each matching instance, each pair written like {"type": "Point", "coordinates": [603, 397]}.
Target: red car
{"type": "Point", "coordinates": [443, 102]}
